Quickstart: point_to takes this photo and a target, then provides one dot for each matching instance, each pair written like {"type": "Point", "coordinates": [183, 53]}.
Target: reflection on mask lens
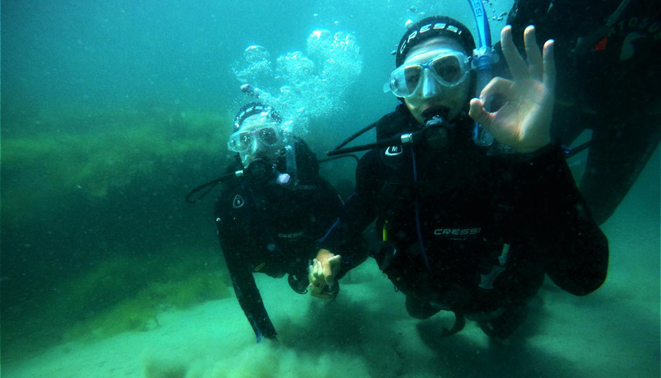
{"type": "Point", "coordinates": [267, 136]}
{"type": "Point", "coordinates": [413, 75]}
{"type": "Point", "coordinates": [241, 141]}
{"type": "Point", "coordinates": [447, 68]}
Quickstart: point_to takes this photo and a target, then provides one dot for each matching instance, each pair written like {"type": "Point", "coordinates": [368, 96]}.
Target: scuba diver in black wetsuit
{"type": "Point", "coordinates": [609, 79]}
{"type": "Point", "coordinates": [276, 215]}
{"type": "Point", "coordinates": [464, 229]}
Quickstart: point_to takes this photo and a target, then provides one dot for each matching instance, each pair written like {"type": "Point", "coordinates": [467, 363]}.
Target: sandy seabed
{"type": "Point", "coordinates": [366, 332]}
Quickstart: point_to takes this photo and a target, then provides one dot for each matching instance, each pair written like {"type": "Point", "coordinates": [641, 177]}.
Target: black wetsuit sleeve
{"type": "Point", "coordinates": [331, 212]}
{"type": "Point", "coordinates": [346, 238]}
{"type": "Point", "coordinates": [326, 210]}
{"type": "Point", "coordinates": [235, 244]}
{"type": "Point", "coordinates": [558, 224]}
{"type": "Point", "coordinates": [362, 207]}
{"type": "Point", "coordinates": [368, 177]}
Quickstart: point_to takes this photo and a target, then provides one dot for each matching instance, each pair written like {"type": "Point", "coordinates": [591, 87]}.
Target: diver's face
{"type": "Point", "coordinates": [433, 98]}
{"type": "Point", "coordinates": [263, 140]}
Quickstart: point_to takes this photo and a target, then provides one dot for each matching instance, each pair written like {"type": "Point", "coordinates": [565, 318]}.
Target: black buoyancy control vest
{"type": "Point", "coordinates": [440, 199]}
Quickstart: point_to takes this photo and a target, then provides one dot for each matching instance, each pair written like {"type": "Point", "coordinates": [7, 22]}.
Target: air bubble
{"type": "Point", "coordinates": [255, 53]}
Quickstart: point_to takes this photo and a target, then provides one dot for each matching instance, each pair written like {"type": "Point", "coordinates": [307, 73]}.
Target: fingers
{"type": "Point", "coordinates": [318, 269]}
{"type": "Point", "coordinates": [322, 275]}
{"type": "Point", "coordinates": [319, 293]}
{"type": "Point", "coordinates": [335, 260]}
{"type": "Point", "coordinates": [536, 65]}
{"type": "Point", "coordinates": [516, 63]}
{"type": "Point", "coordinates": [328, 267]}
{"type": "Point", "coordinates": [331, 268]}
{"type": "Point", "coordinates": [478, 113]}
{"type": "Point", "coordinates": [316, 272]}
{"type": "Point", "coordinates": [497, 85]}
{"type": "Point", "coordinates": [317, 280]}
{"type": "Point", "coordinates": [318, 283]}
{"type": "Point", "coordinates": [330, 280]}
{"type": "Point", "coordinates": [549, 64]}
{"type": "Point", "coordinates": [540, 67]}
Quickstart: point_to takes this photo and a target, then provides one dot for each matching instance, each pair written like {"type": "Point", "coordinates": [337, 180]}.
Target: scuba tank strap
{"type": "Point", "coordinates": [209, 186]}
{"type": "Point", "coordinates": [391, 137]}
{"type": "Point", "coordinates": [321, 161]}
{"type": "Point", "coordinates": [355, 135]}
{"type": "Point", "coordinates": [578, 149]}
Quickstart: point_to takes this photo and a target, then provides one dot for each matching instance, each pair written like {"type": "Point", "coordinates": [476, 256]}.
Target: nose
{"type": "Point", "coordinates": [430, 87]}
{"type": "Point", "coordinates": [253, 146]}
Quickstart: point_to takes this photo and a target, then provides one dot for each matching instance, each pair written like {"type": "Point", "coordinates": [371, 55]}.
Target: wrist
{"type": "Point", "coordinates": [536, 156]}
{"type": "Point", "coordinates": [530, 150]}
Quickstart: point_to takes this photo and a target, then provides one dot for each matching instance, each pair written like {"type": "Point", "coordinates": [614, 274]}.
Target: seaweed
{"type": "Point", "coordinates": [104, 312]}
{"type": "Point", "coordinates": [96, 237]}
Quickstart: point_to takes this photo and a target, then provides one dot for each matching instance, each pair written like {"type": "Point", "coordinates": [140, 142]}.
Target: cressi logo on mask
{"type": "Point", "coordinates": [425, 29]}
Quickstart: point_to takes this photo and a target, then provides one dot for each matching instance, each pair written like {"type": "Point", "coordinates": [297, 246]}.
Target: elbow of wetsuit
{"type": "Point", "coordinates": [591, 277]}
{"type": "Point", "coordinates": [583, 275]}
{"type": "Point", "coordinates": [581, 283]}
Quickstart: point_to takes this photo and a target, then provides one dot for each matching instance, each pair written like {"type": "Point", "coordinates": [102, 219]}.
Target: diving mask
{"type": "Point", "coordinates": [259, 138]}
{"type": "Point", "coordinates": [243, 140]}
{"type": "Point", "coordinates": [448, 68]}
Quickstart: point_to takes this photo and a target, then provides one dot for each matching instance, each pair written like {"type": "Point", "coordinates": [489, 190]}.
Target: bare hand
{"type": "Point", "coordinates": [322, 273]}
{"type": "Point", "coordinates": [524, 121]}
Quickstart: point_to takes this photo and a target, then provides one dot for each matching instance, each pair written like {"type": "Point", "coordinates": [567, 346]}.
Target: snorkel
{"type": "Point", "coordinates": [483, 58]}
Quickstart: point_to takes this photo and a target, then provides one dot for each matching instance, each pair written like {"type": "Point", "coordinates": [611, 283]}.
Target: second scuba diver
{"type": "Point", "coordinates": [465, 230]}
{"type": "Point", "coordinates": [276, 215]}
